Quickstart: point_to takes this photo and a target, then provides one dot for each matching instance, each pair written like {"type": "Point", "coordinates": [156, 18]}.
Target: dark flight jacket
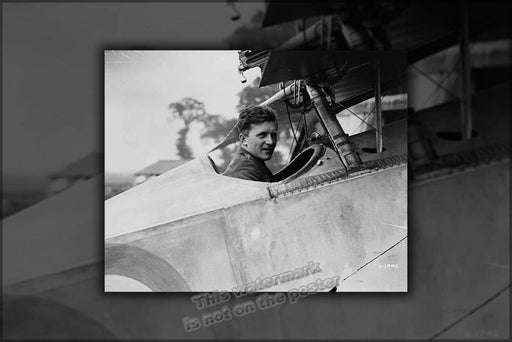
{"type": "Point", "coordinates": [245, 166]}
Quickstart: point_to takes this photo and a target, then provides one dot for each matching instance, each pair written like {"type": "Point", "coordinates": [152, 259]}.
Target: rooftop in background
{"type": "Point", "coordinates": [86, 167]}
{"type": "Point", "coordinates": [160, 167]}
{"type": "Point", "coordinates": [116, 178]}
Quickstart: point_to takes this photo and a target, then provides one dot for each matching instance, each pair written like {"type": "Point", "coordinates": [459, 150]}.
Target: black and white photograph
{"type": "Point", "coordinates": [323, 170]}
{"type": "Point", "coordinates": [256, 171]}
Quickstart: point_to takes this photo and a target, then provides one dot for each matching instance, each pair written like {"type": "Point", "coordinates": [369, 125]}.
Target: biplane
{"type": "Point", "coordinates": [458, 197]}
{"type": "Point", "coordinates": [334, 203]}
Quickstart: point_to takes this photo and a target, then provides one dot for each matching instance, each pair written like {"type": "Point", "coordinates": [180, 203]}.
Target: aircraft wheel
{"type": "Point", "coordinates": [130, 269]}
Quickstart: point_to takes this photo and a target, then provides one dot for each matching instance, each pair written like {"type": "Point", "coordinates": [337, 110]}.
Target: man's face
{"type": "Point", "coordinates": [261, 140]}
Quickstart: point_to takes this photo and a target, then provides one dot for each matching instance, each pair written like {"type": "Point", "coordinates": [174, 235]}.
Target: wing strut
{"type": "Point", "coordinates": [465, 102]}
{"type": "Point", "coordinates": [378, 108]}
{"type": "Point", "coordinates": [338, 137]}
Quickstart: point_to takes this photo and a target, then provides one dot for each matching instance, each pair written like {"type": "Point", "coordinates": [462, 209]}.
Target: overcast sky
{"type": "Point", "coordinates": [53, 72]}
{"type": "Point", "coordinates": [140, 85]}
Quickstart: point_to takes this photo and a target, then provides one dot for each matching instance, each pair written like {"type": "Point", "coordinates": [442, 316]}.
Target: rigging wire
{"type": "Point", "coordinates": [370, 113]}
{"type": "Point", "coordinates": [298, 129]}
{"type": "Point", "coordinates": [367, 117]}
{"type": "Point", "coordinates": [303, 115]}
{"type": "Point", "coordinates": [305, 124]}
{"type": "Point", "coordinates": [455, 66]}
{"type": "Point", "coordinates": [447, 76]}
{"type": "Point", "coordinates": [471, 312]}
{"type": "Point", "coordinates": [289, 116]}
{"type": "Point", "coordinates": [427, 76]}
{"type": "Point", "coordinates": [290, 154]}
{"type": "Point", "coordinates": [363, 121]}
{"type": "Point", "coordinates": [304, 110]}
{"type": "Point", "coordinates": [372, 260]}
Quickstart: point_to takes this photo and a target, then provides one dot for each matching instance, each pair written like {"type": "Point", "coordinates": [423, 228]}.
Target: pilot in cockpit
{"type": "Point", "coordinates": [258, 137]}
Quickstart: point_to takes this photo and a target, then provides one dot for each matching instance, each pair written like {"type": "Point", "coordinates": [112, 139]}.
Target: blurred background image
{"type": "Point", "coordinates": [58, 82]}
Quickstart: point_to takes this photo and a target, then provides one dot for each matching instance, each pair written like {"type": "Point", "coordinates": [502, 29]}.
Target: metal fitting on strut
{"type": "Point", "coordinates": [340, 140]}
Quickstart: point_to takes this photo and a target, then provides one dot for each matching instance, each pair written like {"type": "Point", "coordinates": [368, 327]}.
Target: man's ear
{"type": "Point", "coordinates": [242, 139]}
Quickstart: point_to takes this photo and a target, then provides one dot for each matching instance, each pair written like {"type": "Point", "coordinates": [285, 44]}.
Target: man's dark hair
{"type": "Point", "coordinates": [254, 115]}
